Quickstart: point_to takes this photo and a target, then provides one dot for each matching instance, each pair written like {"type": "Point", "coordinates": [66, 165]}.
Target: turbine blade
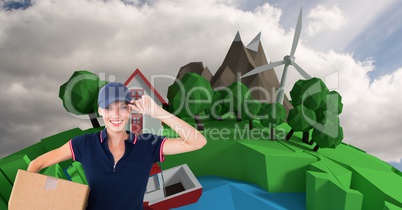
{"type": "Point", "coordinates": [263, 68]}
{"type": "Point", "coordinates": [297, 34]}
{"type": "Point", "coordinates": [301, 71]}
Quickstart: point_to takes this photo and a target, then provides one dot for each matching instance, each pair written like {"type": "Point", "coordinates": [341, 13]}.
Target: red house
{"type": "Point", "coordinates": [139, 85]}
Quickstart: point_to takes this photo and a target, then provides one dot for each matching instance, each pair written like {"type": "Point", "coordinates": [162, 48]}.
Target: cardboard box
{"type": "Point", "coordinates": [40, 192]}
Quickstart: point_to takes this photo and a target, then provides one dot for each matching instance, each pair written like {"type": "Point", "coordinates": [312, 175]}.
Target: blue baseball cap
{"type": "Point", "coordinates": [111, 92]}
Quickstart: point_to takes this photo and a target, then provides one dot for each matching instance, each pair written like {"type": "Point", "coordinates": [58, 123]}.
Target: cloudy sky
{"type": "Point", "coordinates": [352, 45]}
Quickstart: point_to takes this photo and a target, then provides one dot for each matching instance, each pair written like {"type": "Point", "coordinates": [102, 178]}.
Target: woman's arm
{"type": "Point", "coordinates": [190, 138]}
{"type": "Point", "coordinates": [50, 158]}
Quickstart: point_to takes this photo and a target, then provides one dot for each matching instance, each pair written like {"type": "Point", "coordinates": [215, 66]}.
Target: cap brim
{"type": "Point", "coordinates": [105, 103]}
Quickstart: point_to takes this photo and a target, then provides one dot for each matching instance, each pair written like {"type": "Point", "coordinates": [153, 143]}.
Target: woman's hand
{"type": "Point", "coordinates": [145, 105]}
{"type": "Point", "coordinates": [190, 139]}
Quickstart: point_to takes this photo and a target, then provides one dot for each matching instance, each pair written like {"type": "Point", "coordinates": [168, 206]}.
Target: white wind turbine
{"type": "Point", "coordinates": [287, 60]}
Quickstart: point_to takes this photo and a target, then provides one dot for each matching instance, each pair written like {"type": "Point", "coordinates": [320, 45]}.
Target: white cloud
{"type": "Point", "coordinates": [323, 18]}
{"type": "Point", "coordinates": [377, 118]}
{"type": "Point", "coordinates": [359, 15]}
{"type": "Point", "coordinates": [41, 47]}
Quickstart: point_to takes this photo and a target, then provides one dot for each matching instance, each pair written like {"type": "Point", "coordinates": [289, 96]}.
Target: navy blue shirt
{"type": "Point", "coordinates": [121, 186]}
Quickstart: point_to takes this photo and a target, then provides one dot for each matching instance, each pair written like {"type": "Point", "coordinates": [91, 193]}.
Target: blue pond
{"type": "Point", "coordinates": [229, 194]}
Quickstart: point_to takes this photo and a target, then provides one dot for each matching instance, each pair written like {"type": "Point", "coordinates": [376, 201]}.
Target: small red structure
{"type": "Point", "coordinates": [172, 188]}
{"type": "Point", "coordinates": [139, 85]}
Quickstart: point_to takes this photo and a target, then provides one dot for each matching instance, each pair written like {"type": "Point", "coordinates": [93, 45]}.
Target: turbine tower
{"type": "Point", "coordinates": [287, 60]}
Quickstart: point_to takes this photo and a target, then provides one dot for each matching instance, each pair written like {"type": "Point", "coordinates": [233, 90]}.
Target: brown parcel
{"type": "Point", "coordinates": [37, 191]}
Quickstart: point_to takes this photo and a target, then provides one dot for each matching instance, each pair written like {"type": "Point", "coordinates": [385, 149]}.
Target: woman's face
{"type": "Point", "coordinates": [116, 115]}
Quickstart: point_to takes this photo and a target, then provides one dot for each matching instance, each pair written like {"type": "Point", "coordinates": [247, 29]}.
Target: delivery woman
{"type": "Point", "coordinates": [116, 162]}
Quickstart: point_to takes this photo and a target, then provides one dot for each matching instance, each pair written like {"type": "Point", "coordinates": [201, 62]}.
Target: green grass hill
{"type": "Point", "coordinates": [333, 179]}
{"type": "Point", "coordinates": [341, 178]}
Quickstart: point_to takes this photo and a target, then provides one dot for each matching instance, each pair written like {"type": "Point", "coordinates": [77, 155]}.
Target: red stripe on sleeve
{"type": "Point", "coordinates": [161, 156]}
{"type": "Point", "coordinates": [71, 149]}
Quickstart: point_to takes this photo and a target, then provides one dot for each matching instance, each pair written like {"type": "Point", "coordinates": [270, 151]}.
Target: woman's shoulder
{"type": "Point", "coordinates": [149, 137]}
{"type": "Point", "coordinates": [88, 136]}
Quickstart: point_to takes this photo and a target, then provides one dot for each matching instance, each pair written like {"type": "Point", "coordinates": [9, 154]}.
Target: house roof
{"type": "Point", "coordinates": [139, 73]}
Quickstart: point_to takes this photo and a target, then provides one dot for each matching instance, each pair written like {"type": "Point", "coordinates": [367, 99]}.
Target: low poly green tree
{"type": "Point", "coordinates": [239, 93]}
{"type": "Point", "coordinates": [190, 96]}
{"type": "Point", "coordinates": [273, 114]}
{"type": "Point", "coordinates": [250, 111]}
{"type": "Point", "coordinates": [328, 124]}
{"type": "Point", "coordinates": [174, 98]}
{"type": "Point", "coordinates": [300, 118]}
{"type": "Point", "coordinates": [311, 93]}
{"type": "Point", "coordinates": [334, 103]}
{"type": "Point", "coordinates": [296, 93]}
{"type": "Point", "coordinates": [328, 137]}
{"type": "Point", "coordinates": [80, 94]}
{"type": "Point", "coordinates": [219, 105]}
